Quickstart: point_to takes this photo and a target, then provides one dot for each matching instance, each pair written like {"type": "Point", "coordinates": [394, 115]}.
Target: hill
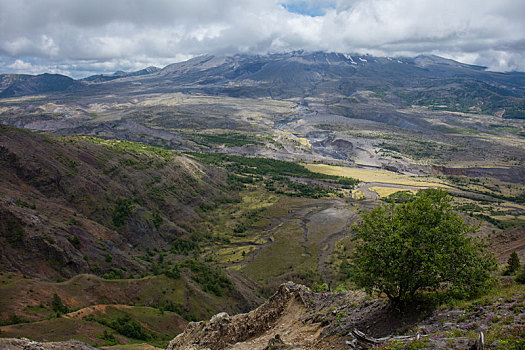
{"type": "Point", "coordinates": [100, 78]}
{"type": "Point", "coordinates": [21, 85]}
{"type": "Point", "coordinates": [131, 215]}
{"type": "Point", "coordinates": [72, 205]}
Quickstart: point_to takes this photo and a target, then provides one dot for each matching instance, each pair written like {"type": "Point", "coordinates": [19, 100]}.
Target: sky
{"type": "Point", "coordinates": [83, 37]}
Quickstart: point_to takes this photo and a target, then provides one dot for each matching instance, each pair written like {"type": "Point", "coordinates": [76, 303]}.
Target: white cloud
{"type": "Point", "coordinates": [89, 36]}
{"type": "Point", "coordinates": [20, 65]}
{"type": "Point", "coordinates": [28, 68]}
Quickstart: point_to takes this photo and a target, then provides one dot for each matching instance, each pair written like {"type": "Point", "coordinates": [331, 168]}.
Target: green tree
{"type": "Point", "coordinates": [513, 264]}
{"type": "Point", "coordinates": [417, 246]}
{"type": "Point", "coordinates": [58, 306]}
{"type": "Point", "coordinates": [122, 211]}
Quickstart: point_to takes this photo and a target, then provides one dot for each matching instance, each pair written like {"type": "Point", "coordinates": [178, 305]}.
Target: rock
{"type": "Point", "coordinates": [219, 317]}
{"type": "Point", "coordinates": [277, 343]}
{"type": "Point", "coordinates": [223, 329]}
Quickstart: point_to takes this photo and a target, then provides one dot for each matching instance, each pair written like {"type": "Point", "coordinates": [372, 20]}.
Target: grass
{"type": "Point", "coordinates": [23, 296]}
{"type": "Point", "coordinates": [490, 296]}
{"type": "Point", "coordinates": [89, 325]}
{"type": "Point", "coordinates": [227, 139]}
{"type": "Point", "coordinates": [358, 194]}
{"type": "Point", "coordinates": [57, 329]}
{"type": "Point", "coordinates": [254, 213]}
{"type": "Point", "coordinates": [324, 223]}
{"type": "Point", "coordinates": [130, 147]}
{"type": "Point", "coordinates": [96, 303]}
{"type": "Point", "coordinates": [387, 191]}
{"type": "Point", "coordinates": [233, 254]}
{"type": "Point", "coordinates": [137, 346]}
{"type": "Point", "coordinates": [376, 175]}
{"type": "Point", "coordinates": [288, 253]}
{"type": "Point", "coordinates": [304, 142]}
{"type": "Point", "coordinates": [285, 253]}
{"type": "Point", "coordinates": [159, 325]}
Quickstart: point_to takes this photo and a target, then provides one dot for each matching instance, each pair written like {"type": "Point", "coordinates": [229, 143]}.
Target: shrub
{"type": "Point", "coordinates": [520, 277]}
{"type": "Point", "coordinates": [513, 264]}
{"type": "Point", "coordinates": [211, 280]}
{"type": "Point", "coordinates": [121, 212]}
{"type": "Point", "coordinates": [75, 241]}
{"type": "Point", "coordinates": [320, 288]}
{"type": "Point", "coordinates": [128, 327]}
{"type": "Point", "coordinates": [58, 306]}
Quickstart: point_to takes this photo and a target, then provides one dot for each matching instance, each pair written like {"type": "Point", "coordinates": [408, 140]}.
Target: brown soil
{"type": "Point", "coordinates": [507, 242]}
{"type": "Point", "coordinates": [93, 309]}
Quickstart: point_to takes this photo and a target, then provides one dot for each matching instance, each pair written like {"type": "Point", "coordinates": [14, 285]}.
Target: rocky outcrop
{"type": "Point", "coordinates": [223, 329]}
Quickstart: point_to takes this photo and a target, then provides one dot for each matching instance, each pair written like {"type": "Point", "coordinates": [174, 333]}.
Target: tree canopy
{"type": "Point", "coordinates": [405, 249]}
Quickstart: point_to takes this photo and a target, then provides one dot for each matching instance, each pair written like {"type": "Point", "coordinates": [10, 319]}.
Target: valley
{"type": "Point", "coordinates": [164, 197]}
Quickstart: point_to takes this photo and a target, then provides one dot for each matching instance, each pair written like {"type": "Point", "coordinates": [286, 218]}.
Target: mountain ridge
{"type": "Point", "coordinates": [424, 80]}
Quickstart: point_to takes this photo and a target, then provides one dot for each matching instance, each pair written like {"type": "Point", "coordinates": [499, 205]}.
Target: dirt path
{"type": "Point", "coordinates": [92, 309]}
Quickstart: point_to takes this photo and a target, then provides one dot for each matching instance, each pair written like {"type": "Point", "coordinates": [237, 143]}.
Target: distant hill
{"type": "Point", "coordinates": [430, 81]}
{"type": "Point", "coordinates": [100, 78]}
{"type": "Point", "coordinates": [20, 85]}
{"type": "Point", "coordinates": [7, 80]}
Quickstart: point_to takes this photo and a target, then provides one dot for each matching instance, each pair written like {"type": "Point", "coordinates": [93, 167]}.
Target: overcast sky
{"type": "Point", "coordinates": [83, 37]}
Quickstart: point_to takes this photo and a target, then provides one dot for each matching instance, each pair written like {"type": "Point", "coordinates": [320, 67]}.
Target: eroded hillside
{"type": "Point", "coordinates": [75, 205]}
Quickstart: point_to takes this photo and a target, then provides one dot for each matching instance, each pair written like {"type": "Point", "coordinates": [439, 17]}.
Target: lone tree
{"type": "Point", "coordinates": [513, 264]}
{"type": "Point", "coordinates": [417, 246]}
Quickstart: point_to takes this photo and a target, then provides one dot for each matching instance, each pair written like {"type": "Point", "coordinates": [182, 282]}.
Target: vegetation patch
{"type": "Point", "coordinates": [376, 175]}
{"type": "Point", "coordinates": [389, 192]}
{"type": "Point", "coordinates": [211, 280]}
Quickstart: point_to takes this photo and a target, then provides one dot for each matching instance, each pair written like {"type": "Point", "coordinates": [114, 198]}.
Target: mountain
{"type": "Point", "coordinates": [22, 85]}
{"type": "Point", "coordinates": [100, 78]}
{"type": "Point", "coordinates": [424, 80]}
{"type": "Point", "coordinates": [7, 80]}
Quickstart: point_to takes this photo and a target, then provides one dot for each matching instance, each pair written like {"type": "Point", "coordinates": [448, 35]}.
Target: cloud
{"type": "Point", "coordinates": [29, 68]}
{"type": "Point", "coordinates": [20, 65]}
{"type": "Point", "coordinates": [82, 37]}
